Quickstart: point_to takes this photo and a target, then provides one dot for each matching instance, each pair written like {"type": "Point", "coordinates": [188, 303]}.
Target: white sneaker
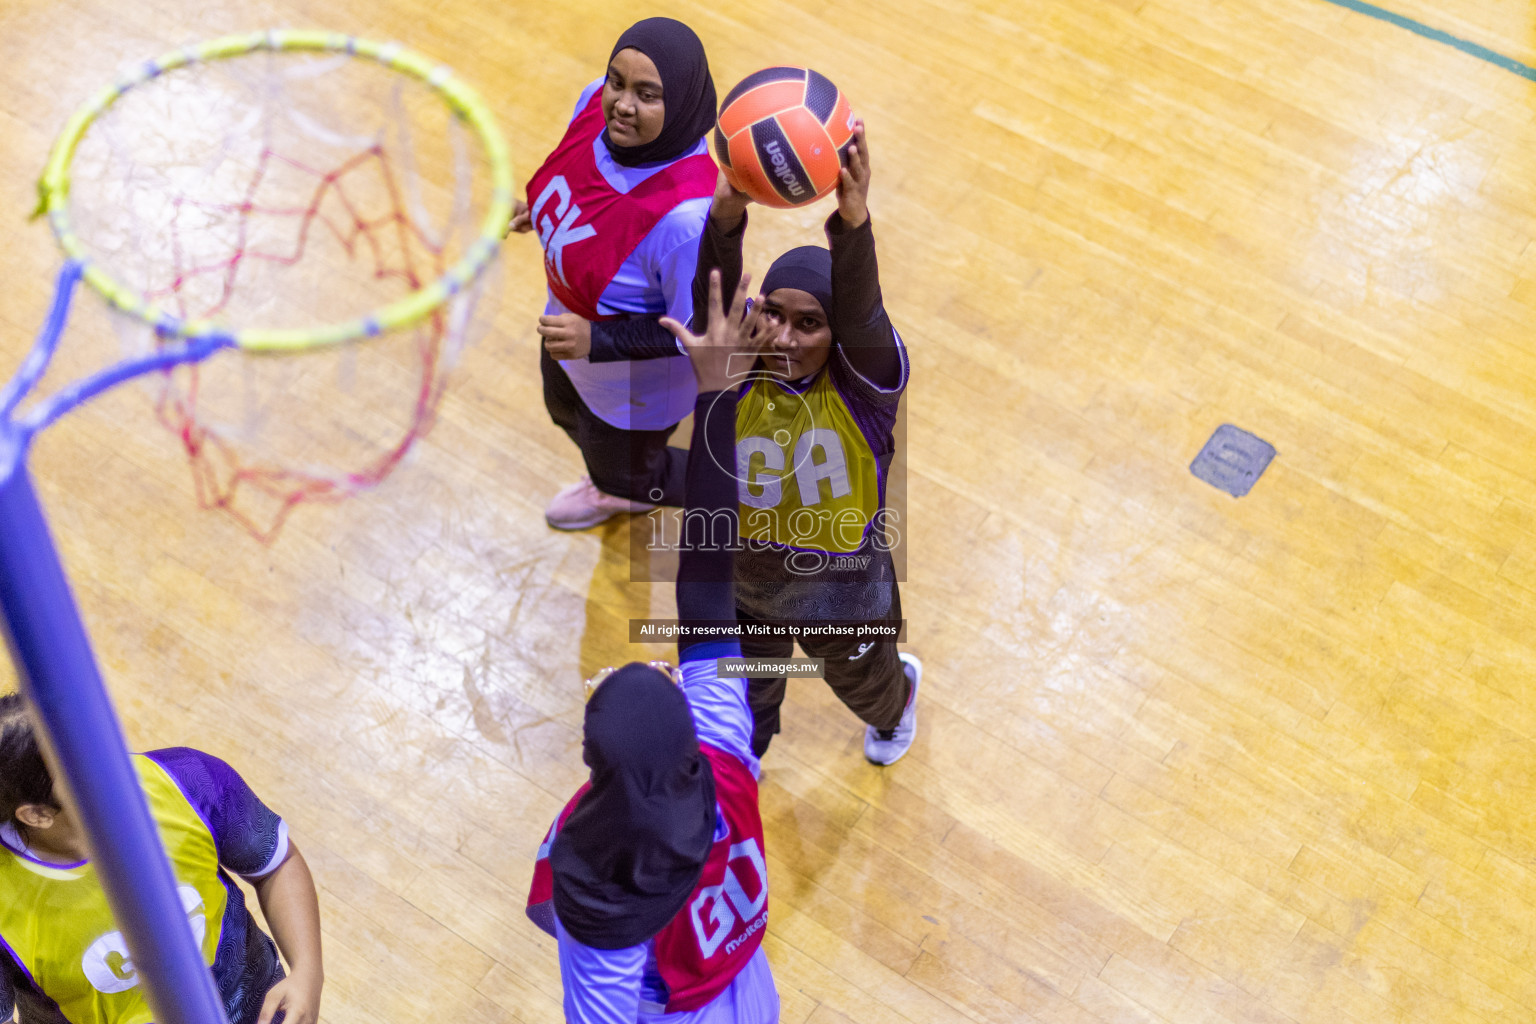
{"type": "Point", "coordinates": [886, 746]}
{"type": "Point", "coordinates": [582, 505]}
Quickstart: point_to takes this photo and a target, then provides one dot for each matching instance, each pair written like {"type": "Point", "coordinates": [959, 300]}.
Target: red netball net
{"type": "Point", "coordinates": [289, 192]}
{"type": "Point", "coordinates": [388, 244]}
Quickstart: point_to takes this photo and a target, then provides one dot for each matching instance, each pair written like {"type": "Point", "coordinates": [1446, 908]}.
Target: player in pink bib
{"type": "Point", "coordinates": [653, 878]}
{"type": "Point", "coordinates": [618, 208]}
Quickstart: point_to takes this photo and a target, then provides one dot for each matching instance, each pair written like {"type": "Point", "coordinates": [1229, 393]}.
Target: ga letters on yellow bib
{"type": "Point", "coordinates": [808, 478]}
{"type": "Point", "coordinates": [59, 928]}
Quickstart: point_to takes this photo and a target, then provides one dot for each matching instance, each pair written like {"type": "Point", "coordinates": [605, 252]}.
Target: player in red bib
{"type": "Point", "coordinates": [618, 208]}
{"type": "Point", "coordinates": [653, 878]}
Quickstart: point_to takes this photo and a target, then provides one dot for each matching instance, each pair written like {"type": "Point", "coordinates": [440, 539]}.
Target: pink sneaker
{"type": "Point", "coordinates": [582, 505]}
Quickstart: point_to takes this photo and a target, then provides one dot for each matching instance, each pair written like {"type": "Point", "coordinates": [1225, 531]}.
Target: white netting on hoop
{"type": "Point", "coordinates": [288, 191]}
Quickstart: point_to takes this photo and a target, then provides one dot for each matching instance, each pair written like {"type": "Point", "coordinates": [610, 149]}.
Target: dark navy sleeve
{"type": "Point", "coordinates": [705, 573]}
{"type": "Point", "coordinates": [251, 840]}
{"type": "Point", "coordinates": [705, 568]}
{"type": "Point", "coordinates": [718, 250]}
{"type": "Point", "coordinates": [862, 329]}
{"type": "Point", "coordinates": [19, 998]}
{"type": "Point", "coordinates": [639, 337]}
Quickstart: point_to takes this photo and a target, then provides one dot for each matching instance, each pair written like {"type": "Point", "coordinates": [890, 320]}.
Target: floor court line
{"type": "Point", "coordinates": [1419, 28]}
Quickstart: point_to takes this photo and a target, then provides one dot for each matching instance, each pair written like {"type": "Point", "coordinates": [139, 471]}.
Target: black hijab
{"type": "Point", "coordinates": [687, 91]}
{"type": "Point", "coordinates": [627, 858]}
{"type": "Point", "coordinates": [808, 268]}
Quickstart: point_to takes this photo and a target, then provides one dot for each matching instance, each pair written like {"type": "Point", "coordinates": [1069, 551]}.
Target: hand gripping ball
{"type": "Point", "coordinates": [782, 136]}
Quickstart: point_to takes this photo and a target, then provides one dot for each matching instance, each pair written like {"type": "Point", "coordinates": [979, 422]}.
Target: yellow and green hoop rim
{"type": "Point", "coordinates": [461, 98]}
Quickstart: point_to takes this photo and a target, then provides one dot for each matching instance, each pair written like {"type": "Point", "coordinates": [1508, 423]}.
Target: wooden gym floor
{"type": "Point", "coordinates": [1182, 758]}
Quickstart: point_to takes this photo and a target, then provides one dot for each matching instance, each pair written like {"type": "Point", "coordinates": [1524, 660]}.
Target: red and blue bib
{"type": "Point", "coordinates": [587, 227]}
{"type": "Point", "coordinates": [720, 927]}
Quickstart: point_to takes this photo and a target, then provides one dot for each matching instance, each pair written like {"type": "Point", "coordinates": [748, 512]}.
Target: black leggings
{"type": "Point", "coordinates": [634, 464]}
{"type": "Point", "coordinates": [867, 676]}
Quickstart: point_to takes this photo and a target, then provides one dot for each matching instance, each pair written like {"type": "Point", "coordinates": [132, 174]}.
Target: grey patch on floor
{"type": "Point", "coordinates": [1232, 460]}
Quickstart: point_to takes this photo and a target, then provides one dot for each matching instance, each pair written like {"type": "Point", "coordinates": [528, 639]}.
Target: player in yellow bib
{"type": "Point", "coordinates": [63, 959]}
{"type": "Point", "coordinates": [814, 429]}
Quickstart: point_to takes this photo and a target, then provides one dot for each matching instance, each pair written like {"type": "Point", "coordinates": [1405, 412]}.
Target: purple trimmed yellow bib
{"type": "Point", "coordinates": [806, 475]}
{"type": "Point", "coordinates": [55, 919]}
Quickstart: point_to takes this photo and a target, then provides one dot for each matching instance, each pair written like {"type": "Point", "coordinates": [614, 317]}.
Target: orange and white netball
{"type": "Point", "coordinates": [782, 135]}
